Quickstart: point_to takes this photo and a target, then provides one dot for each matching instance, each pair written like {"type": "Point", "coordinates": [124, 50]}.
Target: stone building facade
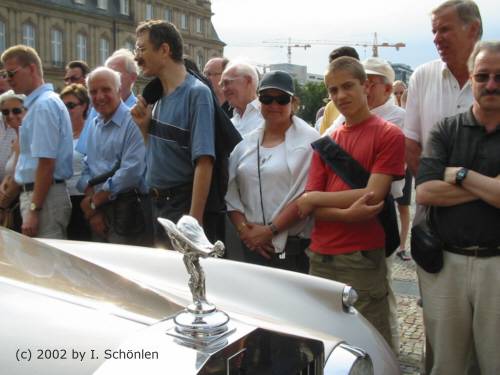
{"type": "Point", "coordinates": [90, 30]}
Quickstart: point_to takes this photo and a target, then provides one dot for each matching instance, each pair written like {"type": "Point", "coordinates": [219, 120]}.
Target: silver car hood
{"type": "Point", "coordinates": [265, 297]}
{"type": "Point", "coordinates": [127, 288]}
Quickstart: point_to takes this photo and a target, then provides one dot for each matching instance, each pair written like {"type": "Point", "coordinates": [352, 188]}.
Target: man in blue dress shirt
{"type": "Point", "coordinates": [46, 147]}
{"type": "Point", "coordinates": [113, 173]}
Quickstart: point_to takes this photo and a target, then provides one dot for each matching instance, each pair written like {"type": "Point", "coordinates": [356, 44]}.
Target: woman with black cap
{"type": "Point", "coordinates": [267, 172]}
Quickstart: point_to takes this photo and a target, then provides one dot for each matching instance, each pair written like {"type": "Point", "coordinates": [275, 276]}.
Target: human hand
{"type": "Point", "coordinates": [142, 113]}
{"type": "Point", "coordinates": [304, 205]}
{"type": "Point", "coordinates": [88, 212]}
{"type": "Point", "coordinates": [266, 250]}
{"type": "Point", "coordinates": [256, 235]}
{"type": "Point", "coordinates": [30, 224]}
{"type": "Point", "coordinates": [360, 210]}
{"type": "Point", "coordinates": [450, 174]}
{"type": "Point", "coordinates": [98, 224]}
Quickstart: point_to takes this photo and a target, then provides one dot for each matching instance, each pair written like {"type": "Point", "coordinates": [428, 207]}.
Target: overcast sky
{"type": "Point", "coordinates": [244, 25]}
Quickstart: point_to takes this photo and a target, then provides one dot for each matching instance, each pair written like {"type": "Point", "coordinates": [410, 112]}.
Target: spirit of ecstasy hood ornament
{"type": "Point", "coordinates": [201, 323]}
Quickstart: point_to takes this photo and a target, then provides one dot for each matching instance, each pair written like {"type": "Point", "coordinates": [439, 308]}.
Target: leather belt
{"type": "Point", "coordinates": [169, 193]}
{"type": "Point", "coordinates": [474, 251]}
{"type": "Point", "coordinates": [31, 185]}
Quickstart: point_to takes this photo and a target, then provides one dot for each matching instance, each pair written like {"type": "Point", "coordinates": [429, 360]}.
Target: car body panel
{"type": "Point", "coordinates": [145, 285]}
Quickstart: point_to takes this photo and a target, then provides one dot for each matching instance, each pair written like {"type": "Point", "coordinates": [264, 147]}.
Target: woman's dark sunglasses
{"type": "Point", "coordinates": [280, 99]}
{"type": "Point", "coordinates": [15, 111]}
{"type": "Point", "coordinates": [71, 105]}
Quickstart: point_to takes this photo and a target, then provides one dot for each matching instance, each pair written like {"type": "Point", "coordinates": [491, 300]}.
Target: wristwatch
{"type": "Point", "coordinates": [274, 229]}
{"type": "Point", "coordinates": [92, 205]}
{"type": "Point", "coordinates": [460, 176]}
{"type": "Point", "coordinates": [34, 207]}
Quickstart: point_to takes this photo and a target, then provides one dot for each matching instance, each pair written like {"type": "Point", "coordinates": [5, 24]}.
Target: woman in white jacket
{"type": "Point", "coordinates": [267, 172]}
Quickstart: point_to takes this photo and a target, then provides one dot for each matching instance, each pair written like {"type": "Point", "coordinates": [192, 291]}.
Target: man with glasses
{"type": "Point", "coordinates": [46, 147]}
{"type": "Point", "coordinates": [239, 83]}
{"type": "Point", "coordinates": [458, 175]}
{"type": "Point", "coordinates": [213, 71]}
{"type": "Point", "coordinates": [178, 129]}
{"type": "Point", "coordinates": [76, 72]}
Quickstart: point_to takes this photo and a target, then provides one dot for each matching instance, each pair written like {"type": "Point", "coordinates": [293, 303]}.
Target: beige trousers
{"type": "Point", "coordinates": [461, 306]}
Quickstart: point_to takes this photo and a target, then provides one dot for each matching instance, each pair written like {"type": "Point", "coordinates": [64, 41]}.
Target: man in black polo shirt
{"type": "Point", "coordinates": [459, 175]}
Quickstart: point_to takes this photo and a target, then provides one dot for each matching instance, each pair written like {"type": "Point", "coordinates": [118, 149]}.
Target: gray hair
{"type": "Point", "coordinates": [490, 46]}
{"type": "Point", "coordinates": [467, 11]}
{"type": "Point", "coordinates": [115, 76]}
{"type": "Point", "coordinates": [9, 95]}
{"type": "Point", "coordinates": [127, 56]}
{"type": "Point", "coordinates": [244, 69]}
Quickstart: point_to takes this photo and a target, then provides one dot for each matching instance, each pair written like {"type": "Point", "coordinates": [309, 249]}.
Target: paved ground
{"type": "Point", "coordinates": [409, 316]}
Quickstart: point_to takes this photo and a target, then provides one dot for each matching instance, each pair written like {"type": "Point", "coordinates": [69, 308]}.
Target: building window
{"type": "Point", "coordinates": [169, 15]}
{"type": "Point", "coordinates": [199, 25]}
{"type": "Point", "coordinates": [124, 7]}
{"type": "Point", "coordinates": [184, 21]}
{"type": "Point", "coordinates": [2, 36]}
{"type": "Point", "coordinates": [56, 47]}
{"type": "Point", "coordinates": [80, 1]}
{"type": "Point", "coordinates": [81, 47]}
{"type": "Point", "coordinates": [28, 35]}
{"type": "Point", "coordinates": [103, 50]}
{"type": "Point", "coordinates": [200, 62]}
{"type": "Point", "coordinates": [130, 45]}
{"type": "Point", "coordinates": [149, 11]}
{"type": "Point", "coordinates": [102, 4]}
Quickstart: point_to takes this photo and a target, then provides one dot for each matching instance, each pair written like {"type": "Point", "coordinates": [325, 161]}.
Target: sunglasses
{"type": "Point", "coordinates": [485, 77]}
{"type": "Point", "coordinates": [10, 73]}
{"type": "Point", "coordinates": [72, 79]}
{"type": "Point", "coordinates": [14, 111]}
{"type": "Point", "coordinates": [280, 99]}
{"type": "Point", "coordinates": [71, 105]}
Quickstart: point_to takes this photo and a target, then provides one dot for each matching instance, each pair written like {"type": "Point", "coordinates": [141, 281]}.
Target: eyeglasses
{"type": "Point", "coordinates": [228, 81]}
{"type": "Point", "coordinates": [72, 79]}
{"type": "Point", "coordinates": [210, 74]}
{"type": "Point", "coordinates": [71, 105]}
{"type": "Point", "coordinates": [139, 50]}
{"type": "Point", "coordinates": [280, 99]}
{"type": "Point", "coordinates": [14, 111]}
{"type": "Point", "coordinates": [11, 73]}
{"type": "Point", "coordinates": [485, 77]}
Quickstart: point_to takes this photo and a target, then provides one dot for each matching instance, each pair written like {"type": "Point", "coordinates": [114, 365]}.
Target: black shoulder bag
{"type": "Point", "coordinates": [356, 176]}
{"type": "Point", "coordinates": [426, 247]}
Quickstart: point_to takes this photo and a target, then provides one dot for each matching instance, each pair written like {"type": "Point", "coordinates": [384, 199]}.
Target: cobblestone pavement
{"type": "Point", "coordinates": [411, 328]}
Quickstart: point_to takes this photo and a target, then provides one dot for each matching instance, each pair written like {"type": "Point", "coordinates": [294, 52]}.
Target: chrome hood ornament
{"type": "Point", "coordinates": [200, 324]}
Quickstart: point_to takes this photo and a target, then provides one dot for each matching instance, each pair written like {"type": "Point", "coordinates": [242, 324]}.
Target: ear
{"type": "Point", "coordinates": [165, 49]}
{"type": "Point", "coordinates": [474, 27]}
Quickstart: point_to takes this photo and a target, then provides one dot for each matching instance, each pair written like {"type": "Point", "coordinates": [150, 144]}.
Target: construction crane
{"type": "Point", "coordinates": [289, 45]}
{"type": "Point", "coordinates": [375, 45]}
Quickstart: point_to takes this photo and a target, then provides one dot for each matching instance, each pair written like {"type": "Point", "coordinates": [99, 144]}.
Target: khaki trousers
{"type": "Point", "coordinates": [365, 271]}
{"type": "Point", "coordinates": [55, 213]}
{"type": "Point", "coordinates": [461, 306]}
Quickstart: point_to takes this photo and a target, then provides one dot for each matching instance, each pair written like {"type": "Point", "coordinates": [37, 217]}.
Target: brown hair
{"type": "Point", "coordinates": [163, 32]}
{"type": "Point", "coordinates": [80, 92]}
{"type": "Point", "coordinates": [348, 64]}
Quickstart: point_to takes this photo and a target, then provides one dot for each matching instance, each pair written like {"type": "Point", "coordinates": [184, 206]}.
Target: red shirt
{"type": "Point", "coordinates": [379, 147]}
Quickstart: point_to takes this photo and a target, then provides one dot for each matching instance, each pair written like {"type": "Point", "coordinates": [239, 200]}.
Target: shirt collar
{"type": "Point", "coordinates": [118, 116]}
{"type": "Point", "coordinates": [131, 100]}
{"type": "Point", "coordinates": [35, 94]}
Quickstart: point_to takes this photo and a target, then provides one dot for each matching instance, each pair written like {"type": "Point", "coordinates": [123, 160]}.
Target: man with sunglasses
{"type": "Point", "coordinates": [76, 72]}
{"type": "Point", "coordinates": [459, 175]}
{"type": "Point", "coordinates": [46, 147]}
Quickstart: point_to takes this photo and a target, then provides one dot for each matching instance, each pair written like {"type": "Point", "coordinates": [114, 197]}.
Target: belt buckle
{"type": "Point", "coordinates": [155, 193]}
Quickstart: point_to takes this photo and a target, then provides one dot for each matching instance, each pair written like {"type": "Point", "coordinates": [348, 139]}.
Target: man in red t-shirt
{"type": "Point", "coordinates": [347, 242]}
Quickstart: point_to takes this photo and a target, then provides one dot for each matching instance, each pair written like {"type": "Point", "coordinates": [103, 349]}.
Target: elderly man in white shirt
{"type": "Point", "coordinates": [239, 83]}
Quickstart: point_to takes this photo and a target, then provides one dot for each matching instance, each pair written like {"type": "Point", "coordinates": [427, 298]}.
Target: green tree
{"type": "Point", "coordinates": [311, 97]}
